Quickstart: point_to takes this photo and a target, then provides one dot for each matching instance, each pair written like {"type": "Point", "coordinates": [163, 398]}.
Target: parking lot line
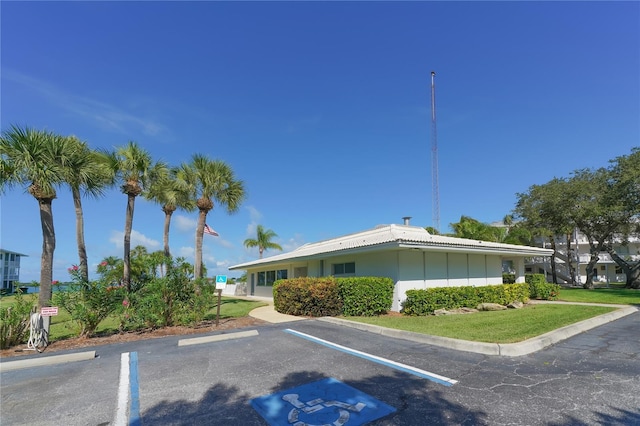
{"type": "Point", "coordinates": [123, 391]}
{"type": "Point", "coordinates": [387, 362]}
{"type": "Point", "coordinates": [128, 391]}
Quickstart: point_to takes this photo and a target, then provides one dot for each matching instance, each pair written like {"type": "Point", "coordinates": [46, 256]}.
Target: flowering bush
{"type": "Point", "coordinates": [14, 320]}
{"type": "Point", "coordinates": [89, 303]}
{"type": "Point", "coordinates": [175, 299]}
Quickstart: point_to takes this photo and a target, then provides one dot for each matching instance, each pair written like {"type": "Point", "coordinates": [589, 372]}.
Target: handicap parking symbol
{"type": "Point", "coordinates": [327, 402]}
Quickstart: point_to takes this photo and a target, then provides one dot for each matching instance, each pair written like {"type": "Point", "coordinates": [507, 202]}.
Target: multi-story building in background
{"type": "Point", "coordinates": [9, 269]}
{"type": "Point", "coordinates": [605, 271]}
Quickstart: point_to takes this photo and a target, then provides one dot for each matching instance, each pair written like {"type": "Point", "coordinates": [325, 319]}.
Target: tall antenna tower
{"type": "Point", "coordinates": [435, 192]}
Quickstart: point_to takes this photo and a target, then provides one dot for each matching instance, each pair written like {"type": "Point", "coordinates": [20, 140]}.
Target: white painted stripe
{"type": "Point", "coordinates": [393, 364]}
{"type": "Point", "coordinates": [217, 338]}
{"type": "Point", "coordinates": [123, 392]}
{"type": "Point", "coordinates": [46, 360]}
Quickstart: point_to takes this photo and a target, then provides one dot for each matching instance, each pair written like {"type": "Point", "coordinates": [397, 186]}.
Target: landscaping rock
{"type": "Point", "coordinates": [515, 305]}
{"type": "Point", "coordinates": [491, 307]}
{"type": "Point", "coordinates": [454, 311]}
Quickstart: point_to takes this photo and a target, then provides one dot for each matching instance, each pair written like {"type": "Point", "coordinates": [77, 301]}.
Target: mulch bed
{"type": "Point", "coordinates": [76, 343]}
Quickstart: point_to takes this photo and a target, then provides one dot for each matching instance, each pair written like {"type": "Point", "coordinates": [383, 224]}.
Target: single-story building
{"type": "Point", "coordinates": [409, 255]}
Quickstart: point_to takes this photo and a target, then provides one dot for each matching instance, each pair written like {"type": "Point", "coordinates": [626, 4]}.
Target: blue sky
{"type": "Point", "coordinates": [321, 108]}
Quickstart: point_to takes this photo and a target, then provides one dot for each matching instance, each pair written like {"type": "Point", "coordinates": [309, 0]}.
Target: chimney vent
{"type": "Point", "coordinates": [406, 220]}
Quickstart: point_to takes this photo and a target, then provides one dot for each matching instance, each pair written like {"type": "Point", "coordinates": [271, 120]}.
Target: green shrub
{"type": "Point", "coordinates": [175, 299]}
{"type": "Point", "coordinates": [15, 320]}
{"type": "Point", "coordinates": [508, 278]}
{"type": "Point", "coordinates": [427, 301]}
{"type": "Point", "coordinates": [90, 303]}
{"type": "Point", "coordinates": [307, 296]}
{"type": "Point", "coordinates": [365, 296]}
{"type": "Point", "coordinates": [540, 289]}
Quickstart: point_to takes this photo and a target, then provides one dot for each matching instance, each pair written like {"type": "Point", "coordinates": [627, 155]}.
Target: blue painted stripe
{"type": "Point", "coordinates": [134, 410]}
{"type": "Point", "coordinates": [386, 362]}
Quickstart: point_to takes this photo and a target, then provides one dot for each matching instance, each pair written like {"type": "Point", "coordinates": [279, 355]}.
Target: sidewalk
{"type": "Point", "coordinates": [268, 313]}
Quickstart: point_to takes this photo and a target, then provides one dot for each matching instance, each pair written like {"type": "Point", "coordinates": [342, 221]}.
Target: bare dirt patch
{"type": "Point", "coordinates": [76, 343]}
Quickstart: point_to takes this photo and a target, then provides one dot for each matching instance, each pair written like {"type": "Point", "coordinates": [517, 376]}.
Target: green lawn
{"type": "Point", "coordinates": [622, 296]}
{"type": "Point", "coordinates": [513, 325]}
{"type": "Point", "coordinates": [509, 326]}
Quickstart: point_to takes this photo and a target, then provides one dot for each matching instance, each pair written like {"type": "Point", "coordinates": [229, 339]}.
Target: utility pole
{"type": "Point", "coordinates": [435, 192]}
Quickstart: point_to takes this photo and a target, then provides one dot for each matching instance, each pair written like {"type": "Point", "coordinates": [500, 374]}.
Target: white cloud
{"type": "Point", "coordinates": [186, 252]}
{"type": "Point", "coordinates": [137, 239]}
{"type": "Point", "coordinates": [293, 243]}
{"type": "Point", "coordinates": [254, 214]}
{"type": "Point", "coordinates": [105, 115]}
{"type": "Point", "coordinates": [184, 223]}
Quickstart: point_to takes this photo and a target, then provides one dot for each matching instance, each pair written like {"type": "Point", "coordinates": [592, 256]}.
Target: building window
{"type": "Point", "coordinates": [343, 268]}
{"type": "Point", "coordinates": [267, 278]}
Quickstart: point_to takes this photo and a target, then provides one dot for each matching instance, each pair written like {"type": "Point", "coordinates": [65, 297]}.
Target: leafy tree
{"type": "Point", "coordinates": [263, 240]}
{"type": "Point", "coordinates": [625, 175]}
{"type": "Point", "coordinates": [84, 173]}
{"type": "Point", "coordinates": [133, 167]}
{"type": "Point", "coordinates": [210, 180]}
{"type": "Point", "coordinates": [432, 230]}
{"type": "Point", "coordinates": [546, 212]}
{"type": "Point", "coordinates": [36, 158]}
{"type": "Point", "coordinates": [473, 229]}
{"type": "Point", "coordinates": [172, 194]}
{"type": "Point", "coordinates": [602, 203]}
{"type": "Point", "coordinates": [597, 213]}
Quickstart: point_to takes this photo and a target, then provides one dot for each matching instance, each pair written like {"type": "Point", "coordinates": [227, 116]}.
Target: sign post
{"type": "Point", "coordinates": [221, 282]}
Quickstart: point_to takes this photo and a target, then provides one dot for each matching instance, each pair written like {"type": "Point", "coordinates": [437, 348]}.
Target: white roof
{"type": "Point", "coordinates": [391, 237]}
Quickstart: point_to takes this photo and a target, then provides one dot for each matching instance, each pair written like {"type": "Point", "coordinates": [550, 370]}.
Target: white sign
{"type": "Point", "coordinates": [221, 282]}
{"type": "Point", "coordinates": [49, 311]}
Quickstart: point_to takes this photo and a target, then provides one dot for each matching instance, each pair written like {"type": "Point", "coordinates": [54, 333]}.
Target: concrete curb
{"type": "Point", "coordinates": [47, 360]}
{"type": "Point", "coordinates": [499, 349]}
{"type": "Point", "coordinates": [217, 338]}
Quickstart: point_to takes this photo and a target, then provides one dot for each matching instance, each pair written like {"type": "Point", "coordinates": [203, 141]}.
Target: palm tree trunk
{"type": "Point", "coordinates": [48, 247]}
{"type": "Point", "coordinates": [167, 224]}
{"type": "Point", "coordinates": [126, 275]}
{"type": "Point", "coordinates": [82, 249]}
{"type": "Point", "coordinates": [197, 264]}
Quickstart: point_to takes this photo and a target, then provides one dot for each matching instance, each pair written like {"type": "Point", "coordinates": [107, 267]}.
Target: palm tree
{"type": "Point", "coordinates": [210, 180]}
{"type": "Point", "coordinates": [263, 240]}
{"type": "Point", "coordinates": [84, 172]}
{"type": "Point", "coordinates": [132, 166]}
{"type": "Point", "coordinates": [172, 194]}
{"type": "Point", "coordinates": [36, 158]}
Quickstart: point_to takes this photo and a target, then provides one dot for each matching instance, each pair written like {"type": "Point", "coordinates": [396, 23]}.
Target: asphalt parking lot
{"type": "Point", "coordinates": [338, 375]}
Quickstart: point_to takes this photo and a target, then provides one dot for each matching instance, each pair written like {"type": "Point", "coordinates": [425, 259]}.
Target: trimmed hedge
{"type": "Point", "coordinates": [330, 296]}
{"type": "Point", "coordinates": [427, 301]}
{"type": "Point", "coordinates": [313, 297]}
{"type": "Point", "coordinates": [365, 296]}
{"type": "Point", "coordinates": [540, 289]}
{"type": "Point", "coordinates": [508, 278]}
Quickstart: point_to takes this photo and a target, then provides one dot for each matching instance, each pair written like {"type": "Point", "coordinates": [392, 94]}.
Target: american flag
{"type": "Point", "coordinates": [210, 231]}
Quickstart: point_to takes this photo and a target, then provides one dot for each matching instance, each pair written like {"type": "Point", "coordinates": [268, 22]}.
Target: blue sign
{"type": "Point", "coordinates": [221, 279]}
{"type": "Point", "coordinates": [326, 402]}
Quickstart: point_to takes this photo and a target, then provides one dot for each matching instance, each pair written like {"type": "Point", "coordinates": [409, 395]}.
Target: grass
{"type": "Point", "coordinates": [621, 296]}
{"type": "Point", "coordinates": [513, 325]}
{"type": "Point", "coordinates": [63, 327]}
{"type": "Point", "coordinates": [509, 326]}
